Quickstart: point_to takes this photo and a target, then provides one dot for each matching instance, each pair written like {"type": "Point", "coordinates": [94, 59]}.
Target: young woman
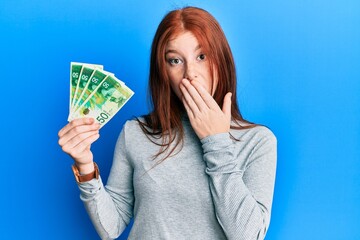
{"type": "Point", "coordinates": [193, 168]}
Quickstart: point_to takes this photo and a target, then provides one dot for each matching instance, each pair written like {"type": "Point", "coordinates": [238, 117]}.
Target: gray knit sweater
{"type": "Point", "coordinates": [214, 188]}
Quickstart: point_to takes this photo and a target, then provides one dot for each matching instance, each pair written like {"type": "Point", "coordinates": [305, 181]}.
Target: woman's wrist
{"type": "Point", "coordinates": [87, 174]}
{"type": "Point", "coordinates": [85, 168]}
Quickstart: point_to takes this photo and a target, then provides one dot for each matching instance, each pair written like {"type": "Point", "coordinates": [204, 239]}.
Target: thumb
{"type": "Point", "coordinates": [227, 105]}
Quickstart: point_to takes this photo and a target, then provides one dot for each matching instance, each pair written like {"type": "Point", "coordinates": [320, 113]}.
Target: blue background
{"type": "Point", "coordinates": [298, 65]}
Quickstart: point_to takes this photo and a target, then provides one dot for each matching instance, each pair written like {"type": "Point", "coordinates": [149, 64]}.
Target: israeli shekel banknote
{"type": "Point", "coordinates": [76, 70]}
{"type": "Point", "coordinates": [95, 93]}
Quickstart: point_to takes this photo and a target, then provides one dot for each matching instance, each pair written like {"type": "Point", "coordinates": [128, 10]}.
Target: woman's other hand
{"type": "Point", "coordinates": [204, 113]}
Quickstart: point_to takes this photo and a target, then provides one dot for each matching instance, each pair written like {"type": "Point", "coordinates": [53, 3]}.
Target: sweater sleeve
{"type": "Point", "coordinates": [111, 207]}
{"type": "Point", "coordinates": [241, 177]}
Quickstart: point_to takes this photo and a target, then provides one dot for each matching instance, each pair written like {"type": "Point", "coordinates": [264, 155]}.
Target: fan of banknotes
{"type": "Point", "coordinates": [95, 93]}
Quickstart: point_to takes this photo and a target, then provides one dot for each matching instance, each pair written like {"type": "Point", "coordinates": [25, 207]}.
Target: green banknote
{"type": "Point", "coordinates": [75, 74]}
{"type": "Point", "coordinates": [95, 80]}
{"type": "Point", "coordinates": [75, 69]}
{"type": "Point", "coordinates": [104, 101]}
{"type": "Point", "coordinates": [85, 75]}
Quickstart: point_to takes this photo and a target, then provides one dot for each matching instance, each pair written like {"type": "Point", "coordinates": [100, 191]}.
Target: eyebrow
{"type": "Point", "coordinates": [174, 51]}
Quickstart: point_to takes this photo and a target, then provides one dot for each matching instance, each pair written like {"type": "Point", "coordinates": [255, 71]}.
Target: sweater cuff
{"type": "Point", "coordinates": [89, 189]}
{"type": "Point", "coordinates": [216, 142]}
{"type": "Point", "coordinates": [219, 154]}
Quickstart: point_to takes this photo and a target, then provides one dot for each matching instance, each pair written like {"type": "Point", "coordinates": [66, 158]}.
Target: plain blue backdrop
{"type": "Point", "coordinates": [298, 65]}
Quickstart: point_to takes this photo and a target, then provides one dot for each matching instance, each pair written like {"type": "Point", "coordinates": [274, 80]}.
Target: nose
{"type": "Point", "coordinates": [190, 71]}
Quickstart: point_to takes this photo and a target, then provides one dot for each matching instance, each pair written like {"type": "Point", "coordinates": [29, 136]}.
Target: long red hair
{"type": "Point", "coordinates": [164, 122]}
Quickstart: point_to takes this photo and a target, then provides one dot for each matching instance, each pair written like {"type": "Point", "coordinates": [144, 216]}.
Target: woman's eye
{"type": "Point", "coordinates": [174, 61]}
{"type": "Point", "coordinates": [201, 57]}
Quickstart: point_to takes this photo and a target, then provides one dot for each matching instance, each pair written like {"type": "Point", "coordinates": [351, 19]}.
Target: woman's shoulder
{"type": "Point", "coordinates": [134, 124]}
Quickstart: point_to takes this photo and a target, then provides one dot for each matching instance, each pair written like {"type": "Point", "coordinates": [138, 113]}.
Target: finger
{"type": "Point", "coordinates": [83, 149]}
{"type": "Point", "coordinates": [189, 100]}
{"type": "Point", "coordinates": [86, 143]}
{"type": "Point", "coordinates": [227, 105]}
{"type": "Point", "coordinates": [196, 97]}
{"type": "Point", "coordinates": [72, 143]}
{"type": "Point", "coordinates": [75, 123]}
{"type": "Point", "coordinates": [188, 109]}
{"type": "Point", "coordinates": [77, 130]}
{"type": "Point", "coordinates": [206, 97]}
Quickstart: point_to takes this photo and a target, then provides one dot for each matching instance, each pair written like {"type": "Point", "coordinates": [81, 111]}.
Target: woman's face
{"type": "Point", "coordinates": [185, 59]}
